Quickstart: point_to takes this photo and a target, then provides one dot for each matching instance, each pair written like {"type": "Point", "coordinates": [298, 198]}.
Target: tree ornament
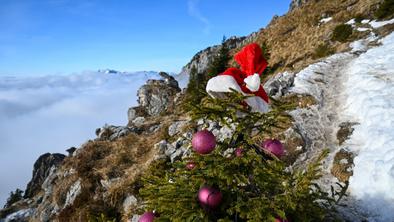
{"type": "Point", "coordinates": [209, 197]}
{"type": "Point", "coordinates": [280, 220]}
{"type": "Point", "coordinates": [245, 80]}
{"type": "Point", "coordinates": [274, 146]}
{"type": "Point", "coordinates": [203, 142]}
{"type": "Point", "coordinates": [239, 152]}
{"type": "Point", "coordinates": [147, 217]}
{"type": "Point", "coordinates": [191, 165]}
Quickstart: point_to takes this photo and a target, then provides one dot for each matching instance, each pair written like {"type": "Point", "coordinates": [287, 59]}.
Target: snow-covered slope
{"type": "Point", "coordinates": [52, 113]}
{"type": "Point", "coordinates": [370, 102]}
{"type": "Point", "coordinates": [355, 87]}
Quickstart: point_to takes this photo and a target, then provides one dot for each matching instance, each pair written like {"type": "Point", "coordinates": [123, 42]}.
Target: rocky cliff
{"type": "Point", "coordinates": [41, 170]}
{"type": "Point", "coordinates": [203, 58]}
{"type": "Point", "coordinates": [298, 3]}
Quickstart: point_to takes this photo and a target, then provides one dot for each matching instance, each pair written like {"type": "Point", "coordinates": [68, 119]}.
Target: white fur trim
{"type": "Point", "coordinates": [222, 83]}
{"type": "Point", "coordinates": [257, 104]}
{"type": "Point", "coordinates": [253, 82]}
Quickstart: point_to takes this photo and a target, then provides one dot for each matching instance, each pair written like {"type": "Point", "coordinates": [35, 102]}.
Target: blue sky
{"type": "Point", "coordinates": [42, 37]}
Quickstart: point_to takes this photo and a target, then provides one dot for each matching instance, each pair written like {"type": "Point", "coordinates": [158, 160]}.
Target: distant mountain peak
{"type": "Point", "coordinates": [109, 71]}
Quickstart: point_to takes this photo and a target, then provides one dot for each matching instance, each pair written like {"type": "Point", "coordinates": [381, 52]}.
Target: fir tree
{"type": "Point", "coordinates": [197, 81]}
{"type": "Point", "coordinates": [255, 186]}
{"type": "Point", "coordinates": [220, 62]}
{"type": "Point", "coordinates": [194, 89]}
{"type": "Point", "coordinates": [14, 197]}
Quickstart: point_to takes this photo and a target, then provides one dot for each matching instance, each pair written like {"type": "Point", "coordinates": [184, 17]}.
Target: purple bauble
{"type": "Point", "coordinates": [274, 146]}
{"type": "Point", "coordinates": [280, 220]}
{"type": "Point", "coordinates": [191, 165]}
{"type": "Point", "coordinates": [203, 142]}
{"type": "Point", "coordinates": [147, 217]}
{"type": "Point", "coordinates": [209, 196]}
{"type": "Point", "coordinates": [239, 152]}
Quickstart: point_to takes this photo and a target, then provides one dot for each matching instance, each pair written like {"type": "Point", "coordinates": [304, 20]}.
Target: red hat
{"type": "Point", "coordinates": [245, 80]}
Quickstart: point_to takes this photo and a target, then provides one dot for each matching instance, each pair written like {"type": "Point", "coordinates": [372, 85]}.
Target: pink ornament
{"type": "Point", "coordinates": [191, 165]}
{"type": "Point", "coordinates": [274, 146]}
{"type": "Point", "coordinates": [209, 196]}
{"type": "Point", "coordinates": [147, 217]}
{"type": "Point", "coordinates": [203, 142]}
{"type": "Point", "coordinates": [239, 152]}
{"type": "Point", "coordinates": [280, 220]}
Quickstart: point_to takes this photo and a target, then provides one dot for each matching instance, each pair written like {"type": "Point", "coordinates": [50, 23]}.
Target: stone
{"type": "Point", "coordinates": [110, 132]}
{"type": "Point", "coordinates": [131, 114]}
{"type": "Point", "coordinates": [177, 155]}
{"type": "Point", "coordinates": [279, 85]}
{"type": "Point", "coordinates": [71, 151]}
{"type": "Point", "coordinates": [41, 170]}
{"type": "Point", "coordinates": [176, 127]}
{"type": "Point", "coordinates": [154, 128]}
{"type": "Point", "coordinates": [156, 96]}
{"type": "Point", "coordinates": [174, 151]}
{"type": "Point", "coordinates": [297, 3]}
{"type": "Point", "coordinates": [73, 193]}
{"type": "Point", "coordinates": [169, 80]}
{"type": "Point", "coordinates": [226, 132]}
{"type": "Point", "coordinates": [20, 216]}
{"type": "Point", "coordinates": [129, 202]}
{"type": "Point", "coordinates": [135, 218]}
{"type": "Point", "coordinates": [139, 121]}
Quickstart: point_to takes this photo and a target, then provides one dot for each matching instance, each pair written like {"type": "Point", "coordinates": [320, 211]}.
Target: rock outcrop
{"type": "Point", "coordinates": [156, 96]}
{"type": "Point", "coordinates": [203, 58]}
{"type": "Point", "coordinates": [279, 85]}
{"type": "Point", "coordinates": [298, 3]}
{"type": "Point", "coordinates": [110, 132]}
{"type": "Point", "coordinates": [41, 171]}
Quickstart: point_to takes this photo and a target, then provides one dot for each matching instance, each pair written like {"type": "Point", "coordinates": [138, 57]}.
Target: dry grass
{"type": "Point", "coordinates": [125, 159]}
{"type": "Point", "coordinates": [343, 162]}
{"type": "Point", "coordinates": [292, 38]}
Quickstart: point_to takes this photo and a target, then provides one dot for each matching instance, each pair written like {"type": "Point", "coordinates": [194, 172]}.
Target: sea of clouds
{"type": "Point", "coordinates": [53, 113]}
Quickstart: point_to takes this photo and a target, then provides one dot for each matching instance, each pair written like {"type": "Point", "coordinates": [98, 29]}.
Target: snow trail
{"type": "Point", "coordinates": [319, 122]}
{"type": "Point", "coordinates": [356, 86]}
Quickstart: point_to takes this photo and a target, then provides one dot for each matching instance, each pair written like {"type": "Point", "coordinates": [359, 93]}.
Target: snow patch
{"type": "Point", "coordinates": [370, 91]}
{"type": "Point", "coordinates": [325, 20]}
{"type": "Point", "coordinates": [375, 24]}
{"type": "Point", "coordinates": [350, 22]}
{"type": "Point", "coordinates": [361, 29]}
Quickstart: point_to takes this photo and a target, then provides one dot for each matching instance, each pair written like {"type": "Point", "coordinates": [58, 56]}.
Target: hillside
{"type": "Point", "coordinates": [334, 93]}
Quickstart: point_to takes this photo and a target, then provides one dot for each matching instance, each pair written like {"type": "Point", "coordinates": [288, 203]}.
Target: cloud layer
{"type": "Point", "coordinates": [53, 113]}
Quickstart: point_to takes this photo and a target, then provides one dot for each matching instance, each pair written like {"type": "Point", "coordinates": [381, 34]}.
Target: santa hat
{"type": "Point", "coordinates": [245, 80]}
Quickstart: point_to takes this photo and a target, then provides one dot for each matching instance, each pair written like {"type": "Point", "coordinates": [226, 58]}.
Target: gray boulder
{"type": "Point", "coordinates": [156, 96]}
{"type": "Point", "coordinates": [279, 85]}
{"type": "Point", "coordinates": [131, 114]}
{"type": "Point", "coordinates": [20, 216]}
{"type": "Point", "coordinates": [73, 193]}
{"type": "Point", "coordinates": [172, 151]}
{"type": "Point", "coordinates": [298, 3]}
{"type": "Point", "coordinates": [110, 132]}
{"type": "Point", "coordinates": [41, 170]}
{"type": "Point", "coordinates": [176, 127]}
